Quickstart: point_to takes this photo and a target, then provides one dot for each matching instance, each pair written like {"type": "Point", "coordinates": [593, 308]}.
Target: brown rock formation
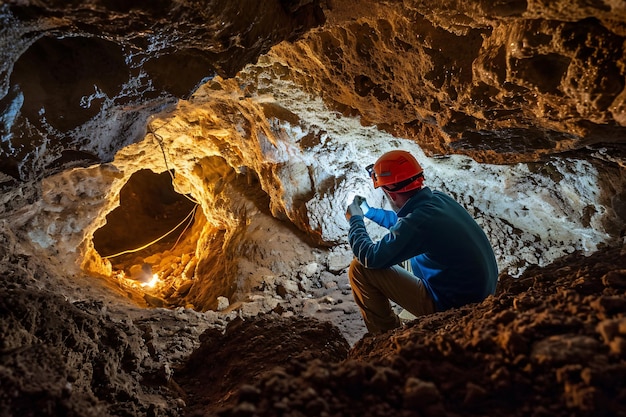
{"type": "Point", "coordinates": [500, 81]}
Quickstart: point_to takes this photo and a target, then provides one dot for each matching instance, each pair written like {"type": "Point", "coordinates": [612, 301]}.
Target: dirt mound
{"type": "Point", "coordinates": [550, 343]}
{"type": "Point", "coordinates": [246, 350]}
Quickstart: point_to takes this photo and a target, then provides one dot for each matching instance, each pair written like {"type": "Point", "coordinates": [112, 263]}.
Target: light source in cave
{"type": "Point", "coordinates": [149, 240]}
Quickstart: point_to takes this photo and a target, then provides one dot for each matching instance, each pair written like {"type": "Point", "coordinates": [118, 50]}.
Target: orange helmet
{"type": "Point", "coordinates": [397, 171]}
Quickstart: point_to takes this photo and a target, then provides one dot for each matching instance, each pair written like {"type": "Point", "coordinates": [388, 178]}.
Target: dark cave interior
{"type": "Point", "coordinates": [147, 237]}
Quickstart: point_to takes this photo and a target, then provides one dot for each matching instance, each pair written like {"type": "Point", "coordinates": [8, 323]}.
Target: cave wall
{"type": "Point", "coordinates": [490, 80]}
{"type": "Point", "coordinates": [78, 80]}
{"type": "Point", "coordinates": [308, 169]}
{"type": "Point", "coordinates": [499, 81]}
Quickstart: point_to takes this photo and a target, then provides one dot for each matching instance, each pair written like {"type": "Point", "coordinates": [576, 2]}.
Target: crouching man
{"type": "Point", "coordinates": [449, 260]}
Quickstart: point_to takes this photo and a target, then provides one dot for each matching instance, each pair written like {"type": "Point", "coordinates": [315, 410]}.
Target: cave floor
{"type": "Point", "coordinates": [551, 342]}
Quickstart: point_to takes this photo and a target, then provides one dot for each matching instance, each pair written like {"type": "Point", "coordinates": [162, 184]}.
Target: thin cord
{"type": "Point", "coordinates": [159, 140]}
{"type": "Point", "coordinates": [189, 216]}
{"type": "Point", "coordinates": [185, 229]}
{"type": "Point", "coordinates": [156, 240]}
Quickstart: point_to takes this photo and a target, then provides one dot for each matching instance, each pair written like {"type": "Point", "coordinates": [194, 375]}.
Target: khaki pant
{"type": "Point", "coordinates": [373, 288]}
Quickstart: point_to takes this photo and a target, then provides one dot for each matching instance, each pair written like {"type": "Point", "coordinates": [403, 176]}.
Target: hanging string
{"type": "Point", "coordinates": [160, 141]}
{"type": "Point", "coordinates": [193, 210]}
{"type": "Point", "coordinates": [186, 227]}
{"type": "Point", "coordinates": [189, 216]}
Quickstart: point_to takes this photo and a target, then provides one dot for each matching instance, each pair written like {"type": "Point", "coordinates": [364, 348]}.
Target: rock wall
{"type": "Point", "coordinates": [78, 80]}
{"type": "Point", "coordinates": [500, 81]}
{"type": "Point", "coordinates": [492, 80]}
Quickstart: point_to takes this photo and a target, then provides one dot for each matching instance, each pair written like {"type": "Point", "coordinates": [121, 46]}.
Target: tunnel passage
{"type": "Point", "coordinates": [164, 251]}
{"type": "Point", "coordinates": [149, 238]}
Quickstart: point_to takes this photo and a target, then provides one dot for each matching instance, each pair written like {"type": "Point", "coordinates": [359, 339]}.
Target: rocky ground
{"type": "Point", "coordinates": [549, 343]}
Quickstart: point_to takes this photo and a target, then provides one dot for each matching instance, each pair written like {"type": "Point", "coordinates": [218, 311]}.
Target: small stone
{"type": "Point", "coordinates": [222, 303]}
{"type": "Point", "coordinates": [561, 349]}
{"type": "Point", "coordinates": [291, 287]}
{"type": "Point", "coordinates": [473, 394]}
{"type": "Point", "coordinates": [310, 269]}
{"type": "Point", "coordinates": [608, 329]}
{"type": "Point", "coordinates": [618, 346]}
{"type": "Point", "coordinates": [339, 261]}
{"type": "Point", "coordinates": [331, 285]}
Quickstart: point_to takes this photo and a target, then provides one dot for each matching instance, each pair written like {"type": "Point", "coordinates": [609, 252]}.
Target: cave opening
{"type": "Point", "coordinates": [150, 239]}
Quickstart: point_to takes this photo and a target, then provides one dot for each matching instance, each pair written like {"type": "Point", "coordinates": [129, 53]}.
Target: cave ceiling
{"type": "Point", "coordinates": [499, 81]}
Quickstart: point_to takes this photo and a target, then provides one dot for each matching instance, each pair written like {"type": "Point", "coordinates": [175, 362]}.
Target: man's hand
{"type": "Point", "coordinates": [354, 209]}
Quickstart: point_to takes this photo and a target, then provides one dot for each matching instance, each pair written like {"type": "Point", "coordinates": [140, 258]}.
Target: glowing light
{"type": "Point", "coordinates": [152, 282]}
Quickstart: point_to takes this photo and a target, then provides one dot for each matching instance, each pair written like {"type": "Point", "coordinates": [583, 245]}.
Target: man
{"type": "Point", "coordinates": [451, 260]}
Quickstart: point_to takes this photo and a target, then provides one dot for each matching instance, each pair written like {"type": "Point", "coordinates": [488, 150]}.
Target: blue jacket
{"type": "Point", "coordinates": [448, 250]}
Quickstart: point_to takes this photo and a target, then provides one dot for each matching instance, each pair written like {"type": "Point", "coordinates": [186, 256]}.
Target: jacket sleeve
{"type": "Point", "coordinates": [384, 218]}
{"type": "Point", "coordinates": [399, 244]}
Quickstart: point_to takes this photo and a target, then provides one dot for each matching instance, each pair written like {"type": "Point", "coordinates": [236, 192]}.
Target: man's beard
{"type": "Point", "coordinates": [392, 203]}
